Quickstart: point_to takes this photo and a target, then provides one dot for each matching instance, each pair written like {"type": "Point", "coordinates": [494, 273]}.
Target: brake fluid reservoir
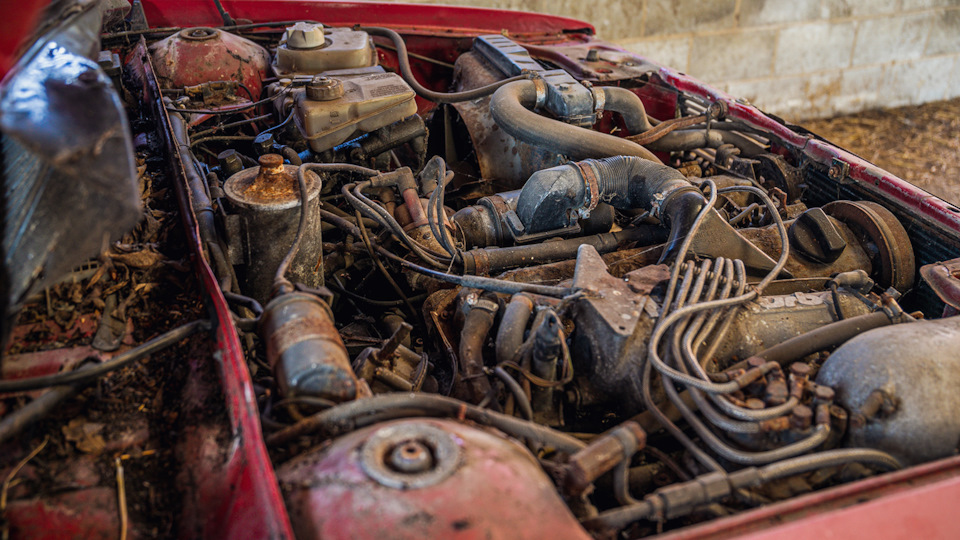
{"type": "Point", "coordinates": [333, 110]}
{"type": "Point", "coordinates": [309, 49]}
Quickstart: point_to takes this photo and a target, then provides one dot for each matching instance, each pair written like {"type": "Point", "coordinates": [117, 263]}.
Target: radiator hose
{"type": "Point", "coordinates": [556, 198]}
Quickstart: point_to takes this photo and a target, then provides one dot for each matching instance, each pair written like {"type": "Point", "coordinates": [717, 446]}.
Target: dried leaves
{"type": "Point", "coordinates": [920, 144]}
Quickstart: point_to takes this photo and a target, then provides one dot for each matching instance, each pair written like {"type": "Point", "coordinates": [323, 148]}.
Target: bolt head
{"type": "Point", "coordinates": [410, 457]}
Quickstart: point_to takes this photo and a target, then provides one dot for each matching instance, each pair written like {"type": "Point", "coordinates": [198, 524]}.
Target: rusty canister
{"type": "Point", "coordinates": [304, 349]}
{"type": "Point", "coordinates": [267, 198]}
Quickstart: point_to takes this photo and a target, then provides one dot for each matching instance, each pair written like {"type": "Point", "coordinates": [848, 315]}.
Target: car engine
{"type": "Point", "coordinates": [500, 281]}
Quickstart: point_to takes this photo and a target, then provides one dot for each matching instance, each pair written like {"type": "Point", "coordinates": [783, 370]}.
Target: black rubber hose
{"type": "Point", "coordinates": [552, 198]}
{"type": "Point", "coordinates": [15, 422]}
{"type": "Point", "coordinates": [623, 101]}
{"type": "Point", "coordinates": [368, 411]}
{"type": "Point", "coordinates": [476, 328]}
{"type": "Point", "coordinates": [403, 60]}
{"type": "Point", "coordinates": [83, 376]}
{"type": "Point", "coordinates": [822, 338]}
{"type": "Point", "coordinates": [512, 325]}
{"type": "Point", "coordinates": [493, 260]}
{"type": "Point", "coordinates": [634, 114]}
{"type": "Point", "coordinates": [202, 207]}
{"type": "Point", "coordinates": [681, 499]}
{"type": "Point", "coordinates": [512, 109]}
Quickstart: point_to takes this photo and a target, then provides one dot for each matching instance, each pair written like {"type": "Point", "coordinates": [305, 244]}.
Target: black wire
{"type": "Point", "coordinates": [280, 282]}
{"type": "Point", "coordinates": [244, 301]}
{"type": "Point", "coordinates": [229, 125]}
{"type": "Point", "coordinates": [403, 61]}
{"type": "Point", "coordinates": [835, 294]}
{"type": "Point", "coordinates": [230, 111]}
{"type": "Point", "coordinates": [227, 19]}
{"type": "Point", "coordinates": [88, 375]}
{"type": "Point", "coordinates": [339, 288]}
{"type": "Point", "coordinates": [221, 138]}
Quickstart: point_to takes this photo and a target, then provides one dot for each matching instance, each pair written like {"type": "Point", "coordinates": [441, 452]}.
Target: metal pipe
{"type": "Point", "coordinates": [494, 260]}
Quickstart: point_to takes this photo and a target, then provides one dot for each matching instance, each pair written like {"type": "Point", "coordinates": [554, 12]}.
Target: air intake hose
{"type": "Point", "coordinates": [555, 198]}
{"type": "Point", "coordinates": [512, 108]}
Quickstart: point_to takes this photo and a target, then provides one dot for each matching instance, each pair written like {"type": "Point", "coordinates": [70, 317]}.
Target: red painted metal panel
{"type": "Point", "coordinates": [16, 25]}
{"type": "Point", "coordinates": [878, 507]}
{"type": "Point", "coordinates": [447, 20]}
{"type": "Point", "coordinates": [239, 498]}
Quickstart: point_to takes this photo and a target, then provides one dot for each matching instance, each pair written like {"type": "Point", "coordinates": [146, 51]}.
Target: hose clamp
{"type": "Point", "coordinates": [593, 187]}
{"type": "Point", "coordinates": [541, 87]}
{"type": "Point", "coordinates": [599, 100]}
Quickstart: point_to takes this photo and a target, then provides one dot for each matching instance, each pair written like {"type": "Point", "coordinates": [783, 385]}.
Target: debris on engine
{"type": "Point", "coordinates": [531, 295]}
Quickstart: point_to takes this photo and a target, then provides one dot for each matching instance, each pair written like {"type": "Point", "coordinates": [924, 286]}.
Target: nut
{"type": "Point", "coordinates": [410, 457]}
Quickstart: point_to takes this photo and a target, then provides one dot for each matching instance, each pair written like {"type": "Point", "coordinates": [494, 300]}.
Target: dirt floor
{"type": "Point", "coordinates": [920, 144]}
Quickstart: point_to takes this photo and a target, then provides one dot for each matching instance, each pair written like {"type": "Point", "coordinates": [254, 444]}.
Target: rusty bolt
{"type": "Point", "coordinates": [593, 55]}
{"type": "Point", "coordinates": [756, 361]}
{"type": "Point", "coordinates": [800, 369]}
{"type": "Point", "coordinates": [802, 417]}
{"type": "Point", "coordinates": [824, 393]}
{"type": "Point", "coordinates": [324, 89]}
{"type": "Point", "coordinates": [271, 164]}
{"type": "Point", "coordinates": [410, 457]}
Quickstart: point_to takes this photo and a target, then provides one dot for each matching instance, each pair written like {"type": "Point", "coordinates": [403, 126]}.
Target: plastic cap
{"type": "Point", "coordinates": [304, 35]}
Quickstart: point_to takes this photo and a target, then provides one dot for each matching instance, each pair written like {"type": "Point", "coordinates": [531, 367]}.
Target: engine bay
{"type": "Point", "coordinates": [479, 282]}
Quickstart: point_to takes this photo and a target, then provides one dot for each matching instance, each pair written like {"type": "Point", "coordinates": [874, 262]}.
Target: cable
{"type": "Point", "coordinates": [227, 19]}
{"type": "Point", "coordinates": [280, 283]}
{"type": "Point", "coordinates": [403, 62]}
{"type": "Point", "coordinates": [352, 415]}
{"type": "Point", "coordinates": [522, 401]}
{"type": "Point", "coordinates": [230, 111]}
{"type": "Point", "coordinates": [88, 375]}
{"type": "Point", "coordinates": [230, 125]}
{"type": "Point", "coordinates": [484, 283]}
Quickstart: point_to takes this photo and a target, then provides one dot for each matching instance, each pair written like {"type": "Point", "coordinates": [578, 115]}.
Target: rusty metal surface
{"type": "Point", "coordinates": [305, 350]}
{"type": "Point", "coordinates": [854, 256]}
{"type": "Point", "coordinates": [267, 201]}
{"type": "Point", "coordinates": [944, 279]}
{"type": "Point", "coordinates": [271, 186]}
{"type": "Point", "coordinates": [491, 492]}
{"type": "Point", "coordinates": [896, 258]}
{"type": "Point", "coordinates": [502, 158]}
{"type": "Point", "coordinates": [198, 55]}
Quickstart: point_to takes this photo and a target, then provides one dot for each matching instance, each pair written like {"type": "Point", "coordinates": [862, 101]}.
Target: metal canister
{"type": "Point", "coordinates": [304, 349]}
{"type": "Point", "coordinates": [267, 198]}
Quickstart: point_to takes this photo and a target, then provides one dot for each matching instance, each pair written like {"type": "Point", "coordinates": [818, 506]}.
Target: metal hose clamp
{"type": "Point", "coordinates": [541, 86]}
{"type": "Point", "coordinates": [599, 100]}
{"type": "Point", "coordinates": [592, 185]}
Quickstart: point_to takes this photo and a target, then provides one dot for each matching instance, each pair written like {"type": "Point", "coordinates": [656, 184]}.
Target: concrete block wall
{"type": "Point", "coordinates": [795, 58]}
